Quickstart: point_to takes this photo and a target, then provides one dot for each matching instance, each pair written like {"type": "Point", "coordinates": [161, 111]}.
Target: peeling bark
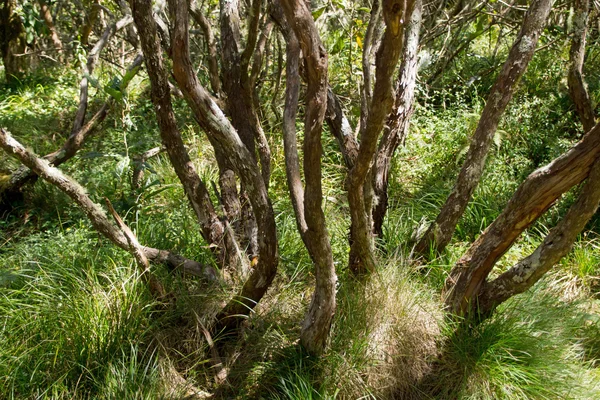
{"type": "Point", "coordinates": [533, 197]}
{"type": "Point", "coordinates": [398, 121]}
{"type": "Point", "coordinates": [93, 211]}
{"type": "Point", "coordinates": [361, 258]}
{"type": "Point", "coordinates": [310, 220]}
{"type": "Point", "coordinates": [441, 230]}
{"type": "Point", "coordinates": [577, 88]}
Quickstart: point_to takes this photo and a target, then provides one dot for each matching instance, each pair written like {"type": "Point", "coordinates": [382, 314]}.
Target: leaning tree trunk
{"type": "Point", "coordinates": [361, 258]}
{"type": "Point", "coordinates": [555, 246]}
{"type": "Point", "coordinates": [398, 121]}
{"type": "Point", "coordinates": [576, 83]}
{"type": "Point", "coordinates": [214, 231]}
{"type": "Point", "coordinates": [226, 140]}
{"type": "Point", "coordinates": [533, 197]}
{"type": "Point", "coordinates": [95, 213]}
{"type": "Point", "coordinates": [307, 204]}
{"type": "Point", "coordinates": [12, 41]}
{"type": "Point", "coordinates": [441, 230]}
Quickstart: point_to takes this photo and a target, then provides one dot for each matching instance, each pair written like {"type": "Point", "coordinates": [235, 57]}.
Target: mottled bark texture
{"type": "Point", "coordinates": [213, 230]}
{"type": "Point", "coordinates": [211, 47]}
{"type": "Point", "coordinates": [308, 203]}
{"type": "Point", "coordinates": [555, 246]}
{"type": "Point", "coordinates": [94, 211]}
{"type": "Point", "coordinates": [440, 232]}
{"type": "Point", "coordinates": [396, 127]}
{"type": "Point", "coordinates": [577, 88]}
{"type": "Point", "coordinates": [12, 41]}
{"type": "Point", "coordinates": [226, 140]}
{"type": "Point", "coordinates": [361, 258]}
{"type": "Point", "coordinates": [533, 197]}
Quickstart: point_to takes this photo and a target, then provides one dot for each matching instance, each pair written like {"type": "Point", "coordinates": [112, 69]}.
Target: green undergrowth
{"type": "Point", "coordinates": [76, 321]}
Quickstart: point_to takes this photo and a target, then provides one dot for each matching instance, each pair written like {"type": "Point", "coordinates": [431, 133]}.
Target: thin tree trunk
{"type": "Point", "coordinates": [398, 121]}
{"type": "Point", "coordinates": [533, 197]}
{"type": "Point", "coordinates": [47, 17]}
{"type": "Point", "coordinates": [211, 46]}
{"type": "Point", "coordinates": [310, 218]}
{"type": "Point", "coordinates": [227, 140]}
{"type": "Point", "coordinates": [93, 211]}
{"type": "Point", "coordinates": [441, 230]}
{"type": "Point", "coordinates": [220, 240]}
{"type": "Point", "coordinates": [361, 252]}
{"type": "Point", "coordinates": [576, 83]}
{"type": "Point", "coordinates": [89, 66]}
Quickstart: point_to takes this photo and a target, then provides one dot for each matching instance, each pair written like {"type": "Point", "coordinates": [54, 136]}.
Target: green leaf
{"type": "Point", "coordinates": [318, 12]}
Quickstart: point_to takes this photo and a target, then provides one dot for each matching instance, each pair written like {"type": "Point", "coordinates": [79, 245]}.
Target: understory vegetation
{"type": "Point", "coordinates": [78, 321]}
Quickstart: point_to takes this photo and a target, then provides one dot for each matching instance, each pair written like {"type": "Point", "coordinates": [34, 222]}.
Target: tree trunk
{"type": "Point", "coordinates": [577, 88]}
{"type": "Point", "coordinates": [220, 240]}
{"type": "Point", "coordinates": [90, 21]}
{"type": "Point", "coordinates": [533, 197]}
{"type": "Point", "coordinates": [94, 212]}
{"type": "Point", "coordinates": [12, 41]}
{"type": "Point", "coordinates": [310, 218]}
{"type": "Point", "coordinates": [398, 121]}
{"type": "Point", "coordinates": [556, 245]}
{"type": "Point", "coordinates": [47, 17]}
{"type": "Point", "coordinates": [441, 230]}
{"type": "Point", "coordinates": [361, 258]}
{"type": "Point", "coordinates": [226, 139]}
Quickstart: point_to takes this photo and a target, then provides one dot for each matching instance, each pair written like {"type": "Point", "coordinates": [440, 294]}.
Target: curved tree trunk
{"type": "Point", "coordinates": [533, 197]}
{"type": "Point", "coordinates": [361, 259]}
{"type": "Point", "coordinates": [398, 121]}
{"type": "Point", "coordinates": [441, 230]}
{"type": "Point", "coordinates": [95, 213]}
{"type": "Point", "coordinates": [47, 17]}
{"type": "Point", "coordinates": [310, 218]}
{"type": "Point", "coordinates": [214, 231]}
{"type": "Point", "coordinates": [555, 246]}
{"type": "Point", "coordinates": [226, 139]}
{"type": "Point", "coordinates": [576, 83]}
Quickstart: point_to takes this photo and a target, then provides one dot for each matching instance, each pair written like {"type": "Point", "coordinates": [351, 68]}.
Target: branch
{"type": "Point", "coordinates": [93, 211]}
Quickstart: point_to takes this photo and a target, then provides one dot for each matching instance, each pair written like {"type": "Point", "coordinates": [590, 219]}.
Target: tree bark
{"type": "Point", "coordinates": [219, 239]}
{"type": "Point", "coordinates": [577, 88]}
{"type": "Point", "coordinates": [12, 41]}
{"type": "Point", "coordinates": [398, 121]}
{"type": "Point", "coordinates": [310, 218]}
{"type": "Point", "coordinates": [211, 46]}
{"type": "Point", "coordinates": [556, 245]}
{"type": "Point", "coordinates": [93, 211]}
{"type": "Point", "coordinates": [441, 230]}
{"type": "Point", "coordinates": [47, 17]}
{"type": "Point", "coordinates": [533, 197]}
{"type": "Point", "coordinates": [226, 140]}
{"type": "Point", "coordinates": [361, 252]}
{"type": "Point", "coordinates": [90, 21]}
